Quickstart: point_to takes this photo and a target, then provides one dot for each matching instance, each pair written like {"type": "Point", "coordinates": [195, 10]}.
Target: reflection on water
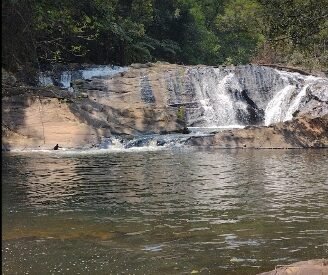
{"type": "Point", "coordinates": [163, 212]}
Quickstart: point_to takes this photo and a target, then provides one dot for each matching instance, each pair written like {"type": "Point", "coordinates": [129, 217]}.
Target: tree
{"type": "Point", "coordinates": [240, 31]}
{"type": "Point", "coordinates": [297, 30]}
{"type": "Point", "coordinates": [18, 41]}
{"type": "Point", "coordinates": [38, 33]}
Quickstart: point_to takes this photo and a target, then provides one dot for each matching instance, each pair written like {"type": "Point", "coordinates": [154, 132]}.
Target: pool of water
{"type": "Point", "coordinates": [170, 211]}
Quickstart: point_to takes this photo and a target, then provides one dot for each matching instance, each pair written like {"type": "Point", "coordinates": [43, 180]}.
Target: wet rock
{"type": "Point", "coordinates": [4, 148]}
{"type": "Point", "coordinates": [303, 132]}
{"type": "Point", "coordinates": [8, 78]}
{"type": "Point", "coordinates": [315, 102]}
{"type": "Point", "coordinates": [148, 101]}
{"type": "Point", "coordinates": [146, 90]}
{"type": "Point", "coordinates": [311, 267]}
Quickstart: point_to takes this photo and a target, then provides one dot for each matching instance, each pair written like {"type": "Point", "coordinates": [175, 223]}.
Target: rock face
{"type": "Point", "coordinates": [123, 104]}
{"type": "Point", "coordinates": [166, 98]}
{"type": "Point", "coordinates": [311, 267]}
{"type": "Point", "coordinates": [242, 95]}
{"type": "Point", "coordinates": [302, 132]}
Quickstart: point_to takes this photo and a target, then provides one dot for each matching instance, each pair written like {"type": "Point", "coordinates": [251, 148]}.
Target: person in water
{"type": "Point", "coordinates": [56, 147]}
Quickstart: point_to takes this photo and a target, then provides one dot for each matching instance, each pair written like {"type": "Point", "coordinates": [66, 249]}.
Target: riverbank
{"type": "Point", "coordinates": [163, 98]}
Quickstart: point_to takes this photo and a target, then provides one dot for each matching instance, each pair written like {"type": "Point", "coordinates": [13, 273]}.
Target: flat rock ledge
{"type": "Point", "coordinates": [311, 267]}
{"type": "Point", "coordinates": [301, 132]}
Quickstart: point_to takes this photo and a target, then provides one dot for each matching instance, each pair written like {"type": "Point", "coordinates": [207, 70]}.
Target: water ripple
{"type": "Point", "coordinates": [146, 211]}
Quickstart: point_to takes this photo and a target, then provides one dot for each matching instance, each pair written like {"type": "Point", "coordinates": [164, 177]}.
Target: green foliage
{"type": "Point", "coordinates": [18, 43]}
{"type": "Point", "coordinates": [240, 31]}
{"type": "Point", "coordinates": [200, 43]}
{"type": "Point", "coordinates": [297, 30]}
{"type": "Point", "coordinates": [43, 32]}
{"type": "Point", "coordinates": [61, 33]}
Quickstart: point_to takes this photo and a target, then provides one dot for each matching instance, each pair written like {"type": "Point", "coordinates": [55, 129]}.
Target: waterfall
{"type": "Point", "coordinates": [289, 99]}
{"type": "Point", "coordinates": [217, 104]}
{"type": "Point", "coordinates": [243, 95]}
{"type": "Point", "coordinates": [296, 103]}
{"type": "Point", "coordinates": [222, 97]}
{"type": "Point", "coordinates": [101, 71]}
{"type": "Point", "coordinates": [277, 107]}
{"type": "Point", "coordinates": [64, 78]}
{"type": "Point", "coordinates": [45, 80]}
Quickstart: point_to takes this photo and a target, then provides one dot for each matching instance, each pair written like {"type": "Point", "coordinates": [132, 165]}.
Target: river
{"type": "Point", "coordinates": [168, 211]}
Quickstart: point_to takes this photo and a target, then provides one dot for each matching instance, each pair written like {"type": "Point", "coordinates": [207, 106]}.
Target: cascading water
{"type": "Point", "coordinates": [214, 89]}
{"type": "Point", "coordinates": [274, 112]}
{"type": "Point", "coordinates": [220, 97]}
{"type": "Point", "coordinates": [65, 78]}
{"type": "Point", "coordinates": [215, 101]}
{"type": "Point", "coordinates": [201, 97]}
{"type": "Point", "coordinates": [101, 71]}
{"type": "Point", "coordinates": [288, 100]}
{"type": "Point", "coordinates": [226, 96]}
{"type": "Point", "coordinates": [244, 95]}
{"type": "Point", "coordinates": [224, 99]}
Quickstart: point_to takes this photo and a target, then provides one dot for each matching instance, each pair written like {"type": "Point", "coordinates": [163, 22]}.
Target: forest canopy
{"type": "Point", "coordinates": [39, 33]}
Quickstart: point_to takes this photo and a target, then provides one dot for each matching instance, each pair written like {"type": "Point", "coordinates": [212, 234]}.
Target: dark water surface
{"type": "Point", "coordinates": [163, 212]}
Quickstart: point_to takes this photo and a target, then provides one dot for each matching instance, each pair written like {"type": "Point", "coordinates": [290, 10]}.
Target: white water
{"type": "Point", "coordinates": [227, 98]}
{"type": "Point", "coordinates": [275, 110]}
{"type": "Point", "coordinates": [232, 126]}
{"type": "Point", "coordinates": [218, 93]}
{"type": "Point", "coordinates": [289, 99]}
{"type": "Point", "coordinates": [151, 142]}
{"type": "Point", "coordinates": [113, 149]}
{"type": "Point", "coordinates": [45, 80]}
{"type": "Point", "coordinates": [295, 103]}
{"type": "Point", "coordinates": [112, 145]}
{"type": "Point", "coordinates": [215, 98]}
{"type": "Point", "coordinates": [102, 71]}
{"type": "Point", "coordinates": [67, 77]}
